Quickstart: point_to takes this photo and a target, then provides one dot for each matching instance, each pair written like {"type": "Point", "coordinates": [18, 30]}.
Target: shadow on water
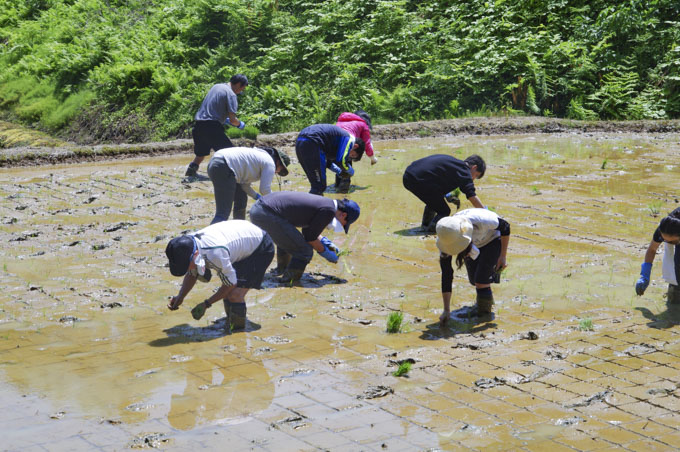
{"type": "Point", "coordinates": [196, 178]}
{"type": "Point", "coordinates": [352, 189]}
{"type": "Point", "coordinates": [461, 322]}
{"type": "Point", "coordinates": [309, 279]}
{"type": "Point", "coordinates": [667, 319]}
{"type": "Point", "coordinates": [413, 232]}
{"type": "Point", "coordinates": [185, 333]}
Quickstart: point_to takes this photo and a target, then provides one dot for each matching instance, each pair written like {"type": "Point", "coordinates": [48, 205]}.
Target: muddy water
{"type": "Point", "coordinates": [90, 356]}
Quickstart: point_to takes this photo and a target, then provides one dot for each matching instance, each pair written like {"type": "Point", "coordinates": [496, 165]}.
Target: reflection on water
{"type": "Point", "coordinates": [84, 324]}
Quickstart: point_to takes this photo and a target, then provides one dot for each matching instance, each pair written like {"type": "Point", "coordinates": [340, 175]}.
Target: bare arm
{"type": "Point", "coordinates": [233, 120]}
{"type": "Point", "coordinates": [187, 285]}
{"type": "Point", "coordinates": [474, 200]}
{"type": "Point", "coordinates": [317, 245]}
{"type": "Point", "coordinates": [651, 251]}
{"type": "Point", "coordinates": [221, 293]}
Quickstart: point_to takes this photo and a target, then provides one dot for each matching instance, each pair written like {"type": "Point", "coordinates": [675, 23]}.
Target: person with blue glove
{"type": "Point", "coordinates": [218, 108]}
{"type": "Point", "coordinates": [232, 170]}
{"type": "Point", "coordinates": [668, 233]}
{"type": "Point", "coordinates": [327, 146]}
{"type": "Point", "coordinates": [282, 213]}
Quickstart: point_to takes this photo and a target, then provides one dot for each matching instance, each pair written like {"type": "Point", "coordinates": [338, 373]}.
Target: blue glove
{"type": "Point", "coordinates": [326, 242]}
{"type": "Point", "coordinates": [335, 168]}
{"type": "Point", "coordinates": [350, 171]}
{"type": "Point", "coordinates": [241, 125]}
{"type": "Point", "coordinates": [329, 255]}
{"type": "Point", "coordinates": [257, 196]}
{"type": "Point", "coordinates": [643, 282]}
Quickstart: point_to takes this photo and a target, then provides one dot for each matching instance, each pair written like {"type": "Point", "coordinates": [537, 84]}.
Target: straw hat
{"type": "Point", "coordinates": [454, 234]}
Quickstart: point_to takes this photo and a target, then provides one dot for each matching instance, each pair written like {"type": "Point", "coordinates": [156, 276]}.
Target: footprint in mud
{"type": "Point", "coordinates": [374, 392]}
{"type": "Point", "coordinates": [149, 441]}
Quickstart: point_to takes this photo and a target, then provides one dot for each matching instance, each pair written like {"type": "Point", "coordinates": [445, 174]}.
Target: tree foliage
{"type": "Point", "coordinates": [151, 62]}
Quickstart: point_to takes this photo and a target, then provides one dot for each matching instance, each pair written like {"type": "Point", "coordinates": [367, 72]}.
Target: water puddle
{"type": "Point", "coordinates": [86, 337]}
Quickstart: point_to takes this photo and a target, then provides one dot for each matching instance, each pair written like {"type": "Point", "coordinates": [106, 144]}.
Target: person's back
{"type": "Point", "coordinates": [239, 237]}
{"type": "Point", "coordinates": [217, 104]}
{"type": "Point", "coordinates": [443, 173]}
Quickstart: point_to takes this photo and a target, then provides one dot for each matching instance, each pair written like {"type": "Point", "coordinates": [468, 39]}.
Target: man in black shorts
{"type": "Point", "coordinates": [237, 250]}
{"type": "Point", "coordinates": [219, 107]}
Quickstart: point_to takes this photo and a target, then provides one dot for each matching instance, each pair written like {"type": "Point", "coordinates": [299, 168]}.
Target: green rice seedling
{"type": "Point", "coordinates": [344, 253]}
{"type": "Point", "coordinates": [586, 325]}
{"type": "Point", "coordinates": [604, 164]}
{"type": "Point", "coordinates": [655, 207]}
{"type": "Point", "coordinates": [250, 132]}
{"type": "Point", "coordinates": [535, 191]}
{"type": "Point", "coordinates": [394, 321]}
{"type": "Point", "coordinates": [403, 369]}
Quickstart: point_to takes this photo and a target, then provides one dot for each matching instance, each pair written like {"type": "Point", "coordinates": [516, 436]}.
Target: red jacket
{"type": "Point", "coordinates": [357, 127]}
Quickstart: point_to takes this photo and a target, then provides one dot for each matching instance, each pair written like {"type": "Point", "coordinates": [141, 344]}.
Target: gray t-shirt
{"type": "Point", "coordinates": [217, 104]}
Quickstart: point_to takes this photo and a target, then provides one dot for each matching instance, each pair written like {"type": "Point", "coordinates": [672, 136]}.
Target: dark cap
{"type": "Point", "coordinates": [352, 210]}
{"type": "Point", "coordinates": [283, 157]}
{"type": "Point", "coordinates": [179, 252]}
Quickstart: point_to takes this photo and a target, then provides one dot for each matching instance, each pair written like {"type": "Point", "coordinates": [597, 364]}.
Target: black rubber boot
{"type": "Point", "coordinates": [432, 227]}
{"type": "Point", "coordinates": [282, 262]}
{"type": "Point", "coordinates": [240, 214]}
{"type": "Point", "coordinates": [294, 271]}
{"type": "Point", "coordinates": [342, 184]}
{"type": "Point", "coordinates": [428, 215]}
{"type": "Point", "coordinates": [673, 295]}
{"type": "Point", "coordinates": [236, 315]}
{"type": "Point", "coordinates": [484, 305]}
{"type": "Point", "coordinates": [192, 170]}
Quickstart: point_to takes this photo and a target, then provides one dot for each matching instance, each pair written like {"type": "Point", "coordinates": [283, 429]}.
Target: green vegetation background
{"type": "Point", "coordinates": [138, 69]}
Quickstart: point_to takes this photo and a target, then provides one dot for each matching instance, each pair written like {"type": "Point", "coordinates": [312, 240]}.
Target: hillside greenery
{"type": "Point", "coordinates": [138, 69]}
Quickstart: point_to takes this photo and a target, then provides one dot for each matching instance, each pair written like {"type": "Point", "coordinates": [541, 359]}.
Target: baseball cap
{"type": "Point", "coordinates": [352, 210]}
{"type": "Point", "coordinates": [179, 252]}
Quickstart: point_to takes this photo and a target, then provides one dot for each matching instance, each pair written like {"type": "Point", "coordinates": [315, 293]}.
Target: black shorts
{"type": "Point", "coordinates": [209, 135]}
{"type": "Point", "coordinates": [250, 271]}
{"type": "Point", "coordinates": [481, 270]}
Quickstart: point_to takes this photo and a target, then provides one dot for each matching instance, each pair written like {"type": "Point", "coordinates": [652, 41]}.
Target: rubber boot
{"type": "Point", "coordinates": [673, 295]}
{"type": "Point", "coordinates": [236, 315]}
{"type": "Point", "coordinates": [282, 261]}
{"type": "Point", "coordinates": [432, 227]}
{"type": "Point", "coordinates": [293, 272]}
{"type": "Point", "coordinates": [192, 170]}
{"type": "Point", "coordinates": [484, 305]}
{"type": "Point", "coordinates": [342, 184]}
{"type": "Point", "coordinates": [428, 215]}
{"type": "Point", "coordinates": [240, 214]}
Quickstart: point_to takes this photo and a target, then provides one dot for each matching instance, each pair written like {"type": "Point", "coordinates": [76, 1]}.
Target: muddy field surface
{"type": "Point", "coordinates": [90, 357]}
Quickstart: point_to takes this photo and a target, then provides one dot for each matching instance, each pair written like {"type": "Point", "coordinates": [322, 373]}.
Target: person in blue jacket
{"type": "Point", "coordinates": [667, 233]}
{"type": "Point", "coordinates": [322, 146]}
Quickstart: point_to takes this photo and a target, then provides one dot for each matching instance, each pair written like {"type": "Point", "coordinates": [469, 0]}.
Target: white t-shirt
{"type": "Point", "coordinates": [222, 244]}
{"type": "Point", "coordinates": [484, 224]}
{"type": "Point", "coordinates": [250, 165]}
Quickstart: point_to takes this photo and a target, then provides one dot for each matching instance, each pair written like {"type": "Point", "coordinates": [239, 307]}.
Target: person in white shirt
{"type": "Point", "coordinates": [238, 251]}
{"type": "Point", "coordinates": [478, 238]}
{"type": "Point", "coordinates": [232, 170]}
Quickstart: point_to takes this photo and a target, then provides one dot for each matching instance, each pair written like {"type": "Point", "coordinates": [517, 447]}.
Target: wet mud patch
{"type": "Point", "coordinates": [574, 255]}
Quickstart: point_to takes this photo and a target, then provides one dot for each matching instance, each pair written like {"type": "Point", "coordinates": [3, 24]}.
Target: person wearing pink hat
{"type": "Point", "coordinates": [479, 239]}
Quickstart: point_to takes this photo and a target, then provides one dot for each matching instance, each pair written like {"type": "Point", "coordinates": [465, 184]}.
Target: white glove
{"type": "Point", "coordinates": [374, 160]}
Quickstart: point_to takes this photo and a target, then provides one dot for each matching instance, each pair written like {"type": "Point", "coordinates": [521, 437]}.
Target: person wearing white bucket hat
{"type": "Point", "coordinates": [479, 238]}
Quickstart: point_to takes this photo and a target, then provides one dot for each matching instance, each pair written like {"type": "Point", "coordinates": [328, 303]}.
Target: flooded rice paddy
{"type": "Point", "coordinates": [90, 357]}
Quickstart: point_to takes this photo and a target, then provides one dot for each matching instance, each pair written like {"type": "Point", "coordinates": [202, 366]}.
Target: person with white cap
{"type": "Point", "coordinates": [237, 250]}
{"type": "Point", "coordinates": [282, 212]}
{"type": "Point", "coordinates": [479, 238]}
{"type": "Point", "coordinates": [668, 233]}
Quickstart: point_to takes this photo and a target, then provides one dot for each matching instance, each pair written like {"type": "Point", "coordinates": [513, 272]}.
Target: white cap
{"type": "Point", "coordinates": [454, 234]}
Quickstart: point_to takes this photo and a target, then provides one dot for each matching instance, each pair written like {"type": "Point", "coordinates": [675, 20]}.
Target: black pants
{"type": "Point", "coordinates": [432, 197]}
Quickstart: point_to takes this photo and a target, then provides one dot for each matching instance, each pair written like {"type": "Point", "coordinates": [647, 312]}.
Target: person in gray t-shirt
{"type": "Point", "coordinates": [219, 107]}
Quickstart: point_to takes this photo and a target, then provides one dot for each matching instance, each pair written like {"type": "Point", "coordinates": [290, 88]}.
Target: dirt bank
{"type": "Point", "coordinates": [28, 156]}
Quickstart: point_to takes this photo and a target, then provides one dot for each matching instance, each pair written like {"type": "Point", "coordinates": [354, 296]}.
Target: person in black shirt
{"type": "Point", "coordinates": [281, 213]}
{"type": "Point", "coordinates": [432, 178]}
{"type": "Point", "coordinates": [668, 232]}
